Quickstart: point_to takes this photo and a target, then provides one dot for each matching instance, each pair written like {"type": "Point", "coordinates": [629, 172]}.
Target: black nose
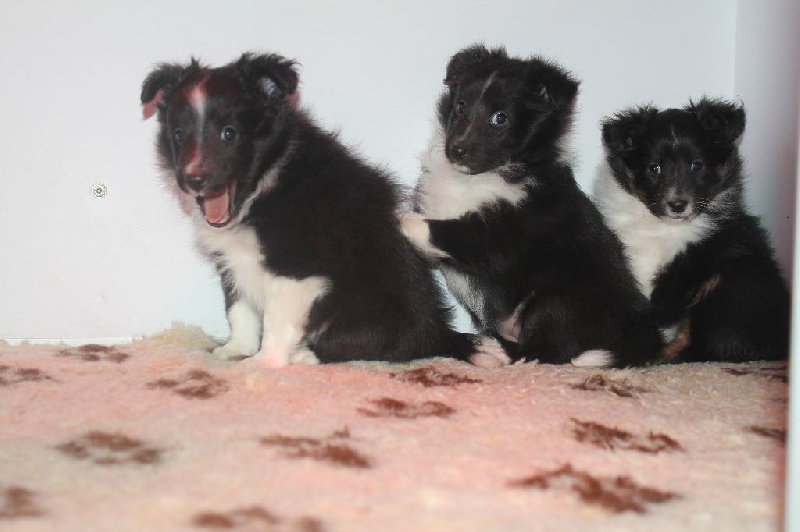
{"type": "Point", "coordinates": [677, 206]}
{"type": "Point", "coordinates": [196, 182]}
{"type": "Point", "coordinates": [457, 152]}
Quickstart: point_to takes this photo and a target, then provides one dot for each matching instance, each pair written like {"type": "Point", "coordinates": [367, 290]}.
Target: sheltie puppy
{"type": "Point", "coordinates": [672, 190]}
{"type": "Point", "coordinates": [304, 234]}
{"type": "Point", "coordinates": [521, 247]}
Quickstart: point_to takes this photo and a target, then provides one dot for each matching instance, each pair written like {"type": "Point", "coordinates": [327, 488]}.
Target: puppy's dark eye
{"type": "Point", "coordinates": [499, 118]}
{"type": "Point", "coordinates": [654, 168]}
{"type": "Point", "coordinates": [461, 107]}
{"type": "Point", "coordinates": [228, 133]}
{"type": "Point", "coordinates": [179, 135]}
{"type": "Point", "coordinates": [695, 166]}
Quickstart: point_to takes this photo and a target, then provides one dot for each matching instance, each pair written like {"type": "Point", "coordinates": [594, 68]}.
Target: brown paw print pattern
{"type": "Point", "coordinates": [429, 376]}
{"type": "Point", "coordinates": [110, 449]}
{"type": "Point", "coordinates": [95, 353]}
{"type": "Point", "coordinates": [196, 384]}
{"type": "Point", "coordinates": [612, 438]}
{"type": "Point", "coordinates": [778, 435]}
{"type": "Point", "coordinates": [387, 407]}
{"type": "Point", "coordinates": [615, 494]}
{"type": "Point", "coordinates": [10, 376]}
{"type": "Point", "coordinates": [333, 449]}
{"type": "Point", "coordinates": [776, 373]}
{"type": "Point", "coordinates": [618, 387]}
{"type": "Point", "coordinates": [17, 502]}
{"type": "Point", "coordinates": [254, 518]}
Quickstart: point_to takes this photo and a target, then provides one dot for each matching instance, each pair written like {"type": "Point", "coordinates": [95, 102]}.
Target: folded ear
{"type": "Point", "coordinates": [623, 131]}
{"type": "Point", "coordinates": [159, 84]}
{"type": "Point", "coordinates": [468, 58]}
{"type": "Point", "coordinates": [555, 85]}
{"type": "Point", "coordinates": [273, 76]}
{"type": "Point", "coordinates": [723, 119]}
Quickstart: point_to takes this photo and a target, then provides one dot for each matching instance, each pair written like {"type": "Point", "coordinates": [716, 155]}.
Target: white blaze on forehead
{"type": "Point", "coordinates": [486, 85]}
{"type": "Point", "coordinates": [198, 99]}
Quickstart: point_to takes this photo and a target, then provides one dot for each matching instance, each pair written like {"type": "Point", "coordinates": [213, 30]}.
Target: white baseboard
{"type": "Point", "coordinates": [69, 341]}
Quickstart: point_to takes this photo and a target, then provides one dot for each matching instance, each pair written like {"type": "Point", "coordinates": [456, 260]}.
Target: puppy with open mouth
{"type": "Point", "coordinates": [304, 233]}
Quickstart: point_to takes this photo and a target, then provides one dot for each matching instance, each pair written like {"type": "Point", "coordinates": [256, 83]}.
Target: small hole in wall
{"type": "Point", "coordinates": [99, 190]}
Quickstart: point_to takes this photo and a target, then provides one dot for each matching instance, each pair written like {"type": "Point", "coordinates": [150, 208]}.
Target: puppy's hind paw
{"type": "Point", "coordinates": [594, 358]}
{"type": "Point", "coordinates": [489, 354]}
{"type": "Point", "coordinates": [305, 357]}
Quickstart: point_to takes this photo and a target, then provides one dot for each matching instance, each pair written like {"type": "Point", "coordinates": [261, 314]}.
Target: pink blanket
{"type": "Point", "coordinates": [157, 436]}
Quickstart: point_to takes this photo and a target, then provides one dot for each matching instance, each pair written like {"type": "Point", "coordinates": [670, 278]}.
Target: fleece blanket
{"type": "Point", "coordinates": [156, 435]}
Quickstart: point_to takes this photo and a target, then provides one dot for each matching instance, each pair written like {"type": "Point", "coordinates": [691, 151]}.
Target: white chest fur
{"type": "Point", "coordinates": [446, 193]}
{"type": "Point", "coordinates": [650, 242]}
{"type": "Point", "coordinates": [239, 253]}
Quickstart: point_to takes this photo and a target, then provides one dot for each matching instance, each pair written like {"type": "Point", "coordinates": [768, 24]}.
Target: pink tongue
{"type": "Point", "coordinates": [216, 208]}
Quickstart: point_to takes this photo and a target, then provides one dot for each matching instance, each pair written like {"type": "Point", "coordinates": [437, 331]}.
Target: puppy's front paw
{"type": "Point", "coordinates": [669, 334]}
{"type": "Point", "coordinates": [415, 227]}
{"type": "Point", "coordinates": [276, 359]}
{"type": "Point", "coordinates": [271, 359]}
{"type": "Point", "coordinates": [234, 351]}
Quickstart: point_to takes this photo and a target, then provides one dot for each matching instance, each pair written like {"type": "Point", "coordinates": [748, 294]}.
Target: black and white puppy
{"type": "Point", "coordinates": [672, 190]}
{"type": "Point", "coordinates": [305, 235]}
{"type": "Point", "coordinates": [521, 247]}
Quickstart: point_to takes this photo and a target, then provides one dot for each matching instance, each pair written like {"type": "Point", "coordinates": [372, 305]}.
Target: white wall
{"type": "Point", "coordinates": [123, 265]}
{"type": "Point", "coordinates": [766, 78]}
{"type": "Point", "coordinates": [793, 436]}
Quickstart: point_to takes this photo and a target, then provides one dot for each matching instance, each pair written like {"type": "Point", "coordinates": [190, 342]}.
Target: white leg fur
{"type": "Point", "coordinates": [245, 324]}
{"type": "Point", "coordinates": [416, 229]}
{"type": "Point", "coordinates": [287, 303]}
